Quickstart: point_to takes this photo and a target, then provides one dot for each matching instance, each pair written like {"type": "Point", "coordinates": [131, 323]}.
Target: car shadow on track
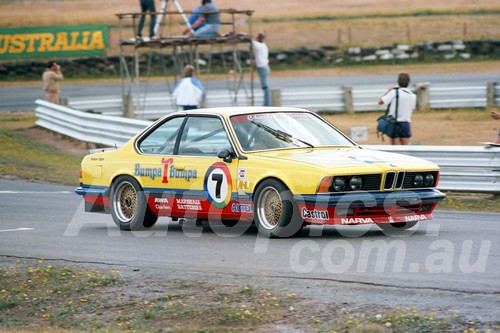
{"type": "Point", "coordinates": [246, 230]}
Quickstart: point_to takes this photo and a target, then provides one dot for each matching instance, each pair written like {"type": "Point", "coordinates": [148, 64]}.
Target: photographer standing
{"type": "Point", "coordinates": [402, 102]}
{"type": "Point", "coordinates": [51, 78]}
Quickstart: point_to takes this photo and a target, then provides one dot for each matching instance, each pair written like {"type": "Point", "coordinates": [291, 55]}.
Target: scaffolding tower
{"type": "Point", "coordinates": [232, 52]}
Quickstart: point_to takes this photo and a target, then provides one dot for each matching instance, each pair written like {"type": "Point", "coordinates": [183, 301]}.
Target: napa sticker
{"type": "Point", "coordinates": [218, 185]}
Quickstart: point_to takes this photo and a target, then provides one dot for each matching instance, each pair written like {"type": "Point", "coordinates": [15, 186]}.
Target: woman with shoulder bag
{"type": "Point", "coordinates": [401, 102]}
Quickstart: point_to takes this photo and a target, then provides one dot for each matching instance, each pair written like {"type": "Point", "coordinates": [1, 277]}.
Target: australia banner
{"type": "Point", "coordinates": [53, 42]}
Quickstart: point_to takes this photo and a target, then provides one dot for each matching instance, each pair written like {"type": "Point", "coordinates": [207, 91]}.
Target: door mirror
{"type": "Point", "coordinates": [226, 155]}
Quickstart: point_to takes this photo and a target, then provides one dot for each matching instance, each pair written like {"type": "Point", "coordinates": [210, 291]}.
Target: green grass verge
{"type": "Point", "coordinates": [22, 157]}
{"type": "Point", "coordinates": [470, 202]}
{"type": "Point", "coordinates": [41, 296]}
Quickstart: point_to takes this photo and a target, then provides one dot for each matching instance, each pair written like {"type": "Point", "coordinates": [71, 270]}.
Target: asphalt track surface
{"type": "Point", "coordinates": [47, 221]}
{"type": "Point", "coordinates": [23, 97]}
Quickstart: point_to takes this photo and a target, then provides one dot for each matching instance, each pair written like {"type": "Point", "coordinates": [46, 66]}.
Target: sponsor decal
{"type": "Point", "coordinates": [53, 42]}
{"type": "Point", "coordinates": [188, 204]}
{"type": "Point", "coordinates": [242, 173]}
{"type": "Point", "coordinates": [186, 174]}
{"type": "Point", "coordinates": [170, 172]}
{"type": "Point", "coordinates": [218, 185]}
{"type": "Point", "coordinates": [242, 186]}
{"type": "Point", "coordinates": [315, 214]}
{"type": "Point", "coordinates": [161, 200]}
{"type": "Point", "coordinates": [147, 172]}
{"type": "Point", "coordinates": [415, 218]}
{"type": "Point", "coordinates": [241, 208]}
{"type": "Point", "coordinates": [357, 220]}
{"type": "Point", "coordinates": [257, 116]}
{"type": "Point", "coordinates": [166, 163]}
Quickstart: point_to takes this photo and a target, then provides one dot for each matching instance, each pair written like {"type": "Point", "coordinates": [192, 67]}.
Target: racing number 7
{"type": "Point", "coordinates": [218, 179]}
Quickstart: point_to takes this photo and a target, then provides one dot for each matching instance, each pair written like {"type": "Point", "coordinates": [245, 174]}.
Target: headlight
{"type": "Point", "coordinates": [429, 180]}
{"type": "Point", "coordinates": [338, 184]}
{"type": "Point", "coordinates": [418, 181]}
{"type": "Point", "coordinates": [355, 183]}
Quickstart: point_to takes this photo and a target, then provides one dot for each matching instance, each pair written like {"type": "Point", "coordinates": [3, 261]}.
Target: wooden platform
{"type": "Point", "coordinates": [185, 41]}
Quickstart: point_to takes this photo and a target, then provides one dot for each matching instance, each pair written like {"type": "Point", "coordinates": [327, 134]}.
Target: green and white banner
{"type": "Point", "coordinates": [53, 42]}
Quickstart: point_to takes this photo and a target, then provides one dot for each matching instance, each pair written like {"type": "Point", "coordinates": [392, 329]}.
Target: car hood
{"type": "Point", "coordinates": [352, 159]}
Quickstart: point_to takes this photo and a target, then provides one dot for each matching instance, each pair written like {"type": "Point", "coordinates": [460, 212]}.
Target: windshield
{"type": "Point", "coordinates": [280, 130]}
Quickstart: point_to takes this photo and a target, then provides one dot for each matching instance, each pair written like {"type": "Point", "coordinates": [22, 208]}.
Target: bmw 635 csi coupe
{"type": "Point", "coordinates": [280, 168]}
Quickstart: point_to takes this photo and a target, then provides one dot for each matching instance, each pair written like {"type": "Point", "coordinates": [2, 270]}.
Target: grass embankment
{"type": "Point", "coordinates": [34, 154]}
{"type": "Point", "coordinates": [23, 154]}
{"type": "Point", "coordinates": [300, 23]}
{"type": "Point", "coordinates": [35, 295]}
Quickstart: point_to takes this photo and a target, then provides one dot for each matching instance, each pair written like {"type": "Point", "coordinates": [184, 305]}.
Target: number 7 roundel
{"type": "Point", "coordinates": [218, 185]}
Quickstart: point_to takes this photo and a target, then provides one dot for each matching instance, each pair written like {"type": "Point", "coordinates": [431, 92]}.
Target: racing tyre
{"type": "Point", "coordinates": [275, 212]}
{"type": "Point", "coordinates": [396, 226]}
{"type": "Point", "coordinates": [129, 206]}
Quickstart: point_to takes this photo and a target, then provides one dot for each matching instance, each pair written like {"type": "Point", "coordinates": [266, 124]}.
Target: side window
{"type": "Point", "coordinates": [162, 140]}
{"type": "Point", "coordinates": [203, 136]}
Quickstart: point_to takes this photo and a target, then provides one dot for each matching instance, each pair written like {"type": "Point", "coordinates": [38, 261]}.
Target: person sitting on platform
{"type": "Point", "coordinates": [196, 13]}
{"type": "Point", "coordinates": [210, 16]}
{"type": "Point", "coordinates": [189, 92]}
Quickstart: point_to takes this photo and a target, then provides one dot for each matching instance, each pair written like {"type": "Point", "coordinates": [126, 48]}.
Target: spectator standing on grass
{"type": "Point", "coordinates": [51, 78]}
{"type": "Point", "coordinates": [189, 92]}
{"type": "Point", "coordinates": [210, 16]}
{"type": "Point", "coordinates": [496, 116]}
{"type": "Point", "coordinates": [406, 103]}
{"type": "Point", "coordinates": [147, 6]}
{"type": "Point", "coordinates": [261, 53]}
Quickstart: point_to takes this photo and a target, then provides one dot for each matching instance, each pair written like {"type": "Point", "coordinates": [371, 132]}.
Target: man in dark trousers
{"type": "Point", "coordinates": [147, 6]}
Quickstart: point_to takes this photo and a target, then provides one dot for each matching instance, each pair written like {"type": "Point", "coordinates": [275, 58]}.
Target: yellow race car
{"type": "Point", "coordinates": [281, 168]}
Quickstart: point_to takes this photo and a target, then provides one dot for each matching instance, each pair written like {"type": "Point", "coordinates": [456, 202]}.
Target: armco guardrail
{"type": "Point", "coordinates": [463, 168]}
{"type": "Point", "coordinates": [364, 98]}
{"type": "Point", "coordinates": [87, 127]}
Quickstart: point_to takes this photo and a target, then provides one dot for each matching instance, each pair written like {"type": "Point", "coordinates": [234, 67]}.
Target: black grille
{"type": "Point", "coordinates": [389, 180]}
{"type": "Point", "coordinates": [410, 178]}
{"type": "Point", "coordinates": [370, 183]}
{"type": "Point", "coordinates": [399, 180]}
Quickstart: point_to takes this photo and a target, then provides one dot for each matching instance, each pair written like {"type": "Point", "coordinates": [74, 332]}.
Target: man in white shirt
{"type": "Point", "coordinates": [404, 101]}
{"type": "Point", "coordinates": [189, 92]}
{"type": "Point", "coordinates": [261, 54]}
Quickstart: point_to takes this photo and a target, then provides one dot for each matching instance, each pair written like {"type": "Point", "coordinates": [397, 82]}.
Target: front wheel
{"type": "Point", "coordinates": [129, 206]}
{"type": "Point", "coordinates": [275, 212]}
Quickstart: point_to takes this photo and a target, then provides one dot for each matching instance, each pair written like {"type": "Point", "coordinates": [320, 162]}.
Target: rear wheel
{"type": "Point", "coordinates": [129, 206]}
{"type": "Point", "coordinates": [275, 212]}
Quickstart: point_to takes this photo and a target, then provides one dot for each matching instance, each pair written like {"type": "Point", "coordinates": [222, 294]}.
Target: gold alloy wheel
{"type": "Point", "coordinates": [125, 201]}
{"type": "Point", "coordinates": [269, 207]}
